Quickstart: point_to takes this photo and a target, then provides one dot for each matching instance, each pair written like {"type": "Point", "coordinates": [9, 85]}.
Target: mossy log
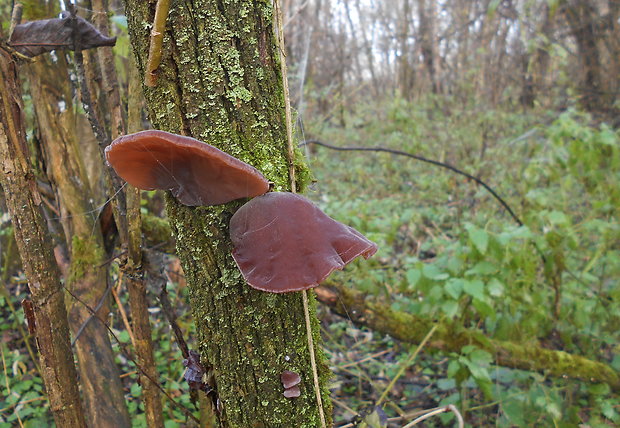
{"type": "Point", "coordinates": [219, 81]}
{"type": "Point", "coordinates": [451, 337]}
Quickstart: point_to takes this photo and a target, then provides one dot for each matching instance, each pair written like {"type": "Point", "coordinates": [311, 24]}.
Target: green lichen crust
{"type": "Point", "coordinates": [220, 82]}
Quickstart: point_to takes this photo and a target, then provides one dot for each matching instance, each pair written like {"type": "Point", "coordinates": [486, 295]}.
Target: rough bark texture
{"type": "Point", "coordinates": [35, 248]}
{"type": "Point", "coordinates": [452, 337]}
{"type": "Point", "coordinates": [582, 18]}
{"type": "Point", "coordinates": [136, 285]}
{"type": "Point", "coordinates": [99, 376]}
{"type": "Point", "coordinates": [219, 81]}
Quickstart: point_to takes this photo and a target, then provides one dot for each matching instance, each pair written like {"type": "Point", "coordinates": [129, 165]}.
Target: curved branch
{"type": "Point", "coordinates": [422, 159]}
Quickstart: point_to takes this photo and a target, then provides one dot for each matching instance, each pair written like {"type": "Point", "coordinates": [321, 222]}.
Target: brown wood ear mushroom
{"type": "Point", "coordinates": [292, 392]}
{"type": "Point", "coordinates": [290, 382]}
{"type": "Point", "coordinates": [283, 242]}
{"type": "Point", "coordinates": [195, 172]}
{"type": "Point", "coordinates": [289, 379]}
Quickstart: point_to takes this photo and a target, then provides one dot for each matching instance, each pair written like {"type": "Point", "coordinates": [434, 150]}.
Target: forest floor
{"type": "Point", "coordinates": [447, 250]}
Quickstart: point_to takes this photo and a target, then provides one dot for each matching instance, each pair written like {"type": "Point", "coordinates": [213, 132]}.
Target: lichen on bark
{"type": "Point", "coordinates": [220, 82]}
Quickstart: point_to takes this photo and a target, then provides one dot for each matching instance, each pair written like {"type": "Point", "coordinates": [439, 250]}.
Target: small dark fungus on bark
{"type": "Point", "coordinates": [195, 372]}
{"type": "Point", "coordinates": [195, 172]}
{"type": "Point", "coordinates": [283, 243]}
{"type": "Point", "coordinates": [292, 392]}
{"type": "Point", "coordinates": [289, 379]}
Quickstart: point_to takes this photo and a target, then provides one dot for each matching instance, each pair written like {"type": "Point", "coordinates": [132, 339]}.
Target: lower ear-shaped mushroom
{"type": "Point", "coordinates": [283, 242]}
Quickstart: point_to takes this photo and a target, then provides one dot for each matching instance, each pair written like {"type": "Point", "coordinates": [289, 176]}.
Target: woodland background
{"type": "Point", "coordinates": [522, 95]}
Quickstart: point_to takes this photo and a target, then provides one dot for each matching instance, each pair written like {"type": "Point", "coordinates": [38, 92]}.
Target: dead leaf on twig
{"type": "Point", "coordinates": [38, 37]}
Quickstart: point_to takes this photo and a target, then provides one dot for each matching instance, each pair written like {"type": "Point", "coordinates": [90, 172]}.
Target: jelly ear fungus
{"type": "Point", "coordinates": [283, 243]}
{"type": "Point", "coordinates": [195, 172]}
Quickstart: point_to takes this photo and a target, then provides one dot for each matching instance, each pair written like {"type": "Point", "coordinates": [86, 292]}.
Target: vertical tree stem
{"type": "Point", "coordinates": [291, 170]}
{"type": "Point", "coordinates": [317, 387]}
{"type": "Point", "coordinates": [35, 248]}
{"type": "Point", "coordinates": [157, 39]}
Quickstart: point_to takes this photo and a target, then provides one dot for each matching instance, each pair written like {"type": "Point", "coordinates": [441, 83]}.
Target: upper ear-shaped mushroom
{"type": "Point", "coordinates": [290, 379]}
{"type": "Point", "coordinates": [283, 242]}
{"type": "Point", "coordinates": [195, 172]}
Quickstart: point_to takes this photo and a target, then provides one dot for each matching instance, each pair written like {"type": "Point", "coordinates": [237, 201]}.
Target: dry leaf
{"type": "Point", "coordinates": [38, 37]}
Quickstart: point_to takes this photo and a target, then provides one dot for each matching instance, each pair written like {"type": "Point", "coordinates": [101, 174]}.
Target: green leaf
{"type": "Point", "coordinates": [495, 287]}
{"type": "Point", "coordinates": [482, 268]}
{"type": "Point", "coordinates": [481, 357]}
{"type": "Point", "coordinates": [514, 412]}
{"type": "Point", "coordinates": [493, 7]}
{"type": "Point", "coordinates": [474, 288]}
{"type": "Point", "coordinates": [609, 411]}
{"type": "Point", "coordinates": [446, 384]}
{"type": "Point", "coordinates": [468, 349]}
{"type": "Point", "coordinates": [478, 237]}
{"type": "Point", "coordinates": [599, 389]}
{"type": "Point", "coordinates": [450, 308]}
{"type": "Point", "coordinates": [454, 287]}
{"type": "Point", "coordinates": [433, 272]}
{"type": "Point", "coordinates": [413, 276]}
{"type": "Point", "coordinates": [558, 218]}
{"type": "Point", "coordinates": [376, 419]}
{"type": "Point", "coordinates": [484, 308]}
{"type": "Point", "coordinates": [453, 367]}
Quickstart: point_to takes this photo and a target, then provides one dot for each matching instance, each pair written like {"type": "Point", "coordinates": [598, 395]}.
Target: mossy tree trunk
{"type": "Point", "coordinates": [220, 82]}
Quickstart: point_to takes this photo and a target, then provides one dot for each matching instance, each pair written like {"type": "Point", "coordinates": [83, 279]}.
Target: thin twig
{"type": "Point", "coordinates": [157, 39]}
{"type": "Point", "coordinates": [317, 387]}
{"type": "Point", "coordinates": [290, 154]}
{"type": "Point", "coordinates": [16, 18]}
{"type": "Point", "coordinates": [158, 277]}
{"type": "Point", "coordinates": [422, 159]}
{"type": "Point", "coordinates": [121, 309]}
{"type": "Point", "coordinates": [433, 412]}
{"type": "Point", "coordinates": [7, 298]}
{"type": "Point", "coordinates": [287, 102]}
{"type": "Point", "coordinates": [112, 182]}
{"type": "Point", "coordinates": [98, 130]}
{"type": "Point", "coordinates": [406, 364]}
{"type": "Point", "coordinates": [6, 376]}
{"type": "Point", "coordinates": [100, 303]}
{"type": "Point", "coordinates": [172, 320]}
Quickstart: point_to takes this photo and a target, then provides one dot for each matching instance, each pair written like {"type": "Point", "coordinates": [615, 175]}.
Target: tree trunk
{"type": "Point", "coordinates": [136, 284]}
{"type": "Point", "coordinates": [404, 65]}
{"type": "Point", "coordinates": [367, 45]}
{"type": "Point", "coordinates": [428, 41]}
{"type": "Point", "coordinates": [583, 21]}
{"type": "Point", "coordinates": [35, 248]}
{"type": "Point", "coordinates": [219, 81]}
{"type": "Point", "coordinates": [99, 375]}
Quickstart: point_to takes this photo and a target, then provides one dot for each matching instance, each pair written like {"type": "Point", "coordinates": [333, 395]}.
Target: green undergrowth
{"type": "Point", "coordinates": [448, 249]}
{"type": "Point", "coordinates": [22, 397]}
